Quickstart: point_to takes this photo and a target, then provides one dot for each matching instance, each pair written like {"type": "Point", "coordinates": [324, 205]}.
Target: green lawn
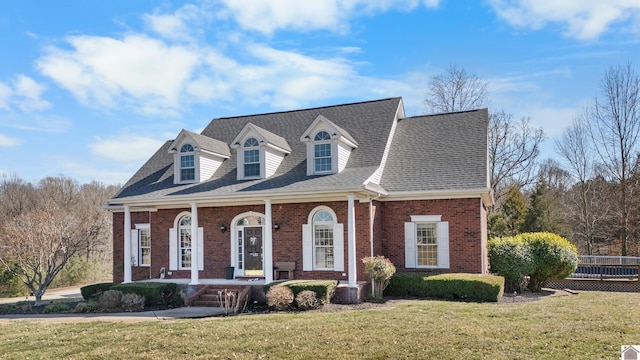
{"type": "Point", "coordinates": [590, 325]}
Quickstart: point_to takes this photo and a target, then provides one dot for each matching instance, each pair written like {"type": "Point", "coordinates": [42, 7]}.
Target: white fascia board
{"type": "Point", "coordinates": [483, 193]}
{"type": "Point", "coordinates": [347, 142]}
{"type": "Point", "coordinates": [243, 199]}
{"type": "Point", "coordinates": [377, 175]}
{"type": "Point", "coordinates": [212, 153]}
{"type": "Point", "coordinates": [277, 148]}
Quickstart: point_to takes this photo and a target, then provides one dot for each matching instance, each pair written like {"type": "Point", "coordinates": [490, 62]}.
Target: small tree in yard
{"type": "Point", "coordinates": [554, 257]}
{"type": "Point", "coordinates": [36, 243]}
{"type": "Point", "coordinates": [380, 270]}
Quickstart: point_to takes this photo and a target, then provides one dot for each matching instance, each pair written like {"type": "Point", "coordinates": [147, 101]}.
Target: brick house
{"type": "Point", "coordinates": [321, 187]}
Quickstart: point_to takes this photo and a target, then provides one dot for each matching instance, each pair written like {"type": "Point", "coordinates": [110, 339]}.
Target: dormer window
{"type": "Point", "coordinates": [259, 152]}
{"type": "Point", "coordinates": [196, 157]}
{"type": "Point", "coordinates": [251, 154]}
{"type": "Point", "coordinates": [187, 163]}
{"type": "Point", "coordinates": [328, 147]}
{"type": "Point", "coordinates": [322, 152]}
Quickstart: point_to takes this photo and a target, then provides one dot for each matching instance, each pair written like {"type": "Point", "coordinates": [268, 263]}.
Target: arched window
{"type": "Point", "coordinates": [251, 158]}
{"type": "Point", "coordinates": [323, 240]}
{"type": "Point", "coordinates": [187, 163]}
{"type": "Point", "coordinates": [322, 152]}
{"type": "Point", "coordinates": [184, 239]}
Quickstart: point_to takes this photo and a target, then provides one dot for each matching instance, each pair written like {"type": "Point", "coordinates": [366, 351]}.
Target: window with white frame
{"type": "Point", "coordinates": [144, 244]}
{"type": "Point", "coordinates": [322, 152]}
{"type": "Point", "coordinates": [323, 241]}
{"type": "Point", "coordinates": [426, 242]}
{"type": "Point", "coordinates": [251, 154]}
{"type": "Point", "coordinates": [184, 236]}
{"type": "Point", "coordinates": [187, 163]}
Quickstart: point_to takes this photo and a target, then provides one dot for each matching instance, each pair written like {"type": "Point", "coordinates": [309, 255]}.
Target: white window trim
{"type": "Point", "coordinates": [411, 246]}
{"type": "Point", "coordinates": [138, 250]}
{"type": "Point", "coordinates": [308, 242]}
{"type": "Point", "coordinates": [331, 143]}
{"type": "Point", "coordinates": [260, 158]}
{"type": "Point", "coordinates": [195, 164]}
{"type": "Point", "coordinates": [174, 245]}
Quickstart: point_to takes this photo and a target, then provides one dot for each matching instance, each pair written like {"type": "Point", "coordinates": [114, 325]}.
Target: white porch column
{"type": "Point", "coordinates": [194, 245]}
{"type": "Point", "coordinates": [127, 244]}
{"type": "Point", "coordinates": [351, 240]}
{"type": "Point", "coordinates": [267, 243]}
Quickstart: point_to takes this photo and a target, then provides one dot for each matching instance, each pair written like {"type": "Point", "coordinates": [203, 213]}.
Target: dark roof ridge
{"type": "Point", "coordinates": [307, 109]}
{"type": "Point", "coordinates": [447, 113]}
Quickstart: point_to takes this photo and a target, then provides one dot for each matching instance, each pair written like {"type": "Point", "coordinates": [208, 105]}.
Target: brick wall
{"type": "Point", "coordinates": [465, 235]}
{"type": "Point", "coordinates": [464, 218]}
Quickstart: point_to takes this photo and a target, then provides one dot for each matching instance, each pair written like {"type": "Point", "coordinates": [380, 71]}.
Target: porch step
{"type": "Point", "coordinates": [209, 295]}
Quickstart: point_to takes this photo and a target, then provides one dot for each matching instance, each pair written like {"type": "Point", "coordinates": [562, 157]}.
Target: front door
{"type": "Point", "coordinates": [253, 251]}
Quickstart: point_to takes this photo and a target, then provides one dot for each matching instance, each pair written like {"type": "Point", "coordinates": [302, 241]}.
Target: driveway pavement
{"type": "Point", "coordinates": [193, 312]}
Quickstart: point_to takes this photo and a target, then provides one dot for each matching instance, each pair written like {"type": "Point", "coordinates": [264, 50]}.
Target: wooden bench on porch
{"type": "Point", "coordinates": [287, 267]}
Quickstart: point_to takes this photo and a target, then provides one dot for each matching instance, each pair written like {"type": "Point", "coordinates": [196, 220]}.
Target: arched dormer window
{"type": "Point", "coordinates": [322, 152]}
{"type": "Point", "coordinates": [187, 163]}
{"type": "Point", "coordinates": [251, 154]}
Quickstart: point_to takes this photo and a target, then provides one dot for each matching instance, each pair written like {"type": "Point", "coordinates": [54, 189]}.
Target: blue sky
{"type": "Point", "coordinates": [91, 89]}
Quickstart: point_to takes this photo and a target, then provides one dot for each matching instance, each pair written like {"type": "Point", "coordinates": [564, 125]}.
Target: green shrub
{"type": "Point", "coordinates": [510, 258]}
{"type": "Point", "coordinates": [380, 270]}
{"type": "Point", "coordinates": [306, 300]}
{"type": "Point", "coordinates": [85, 307]}
{"type": "Point", "coordinates": [408, 284]}
{"type": "Point", "coordinates": [94, 291]}
{"type": "Point", "coordinates": [324, 289]}
{"type": "Point", "coordinates": [280, 297]}
{"type": "Point", "coordinates": [10, 284]}
{"type": "Point", "coordinates": [554, 257]}
{"type": "Point", "coordinates": [468, 287]}
{"type": "Point", "coordinates": [155, 293]}
{"type": "Point", "coordinates": [57, 308]}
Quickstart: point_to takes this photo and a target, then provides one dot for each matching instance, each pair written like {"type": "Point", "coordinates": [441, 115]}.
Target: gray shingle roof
{"type": "Point", "coordinates": [438, 152]}
{"type": "Point", "coordinates": [207, 143]}
{"type": "Point", "coordinates": [371, 121]}
{"type": "Point", "coordinates": [433, 152]}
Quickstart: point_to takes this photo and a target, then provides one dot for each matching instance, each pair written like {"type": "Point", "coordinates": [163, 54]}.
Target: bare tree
{"type": "Point", "coordinates": [513, 145]}
{"type": "Point", "coordinates": [513, 149]}
{"type": "Point", "coordinates": [614, 120]}
{"type": "Point", "coordinates": [35, 245]}
{"type": "Point", "coordinates": [16, 196]}
{"type": "Point", "coordinates": [456, 90]}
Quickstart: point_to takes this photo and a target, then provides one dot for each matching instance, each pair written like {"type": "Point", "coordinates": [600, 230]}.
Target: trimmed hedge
{"type": "Point", "coordinates": [468, 287]}
{"type": "Point", "coordinates": [324, 289]}
{"type": "Point", "coordinates": [94, 291]}
{"type": "Point", "coordinates": [155, 293]}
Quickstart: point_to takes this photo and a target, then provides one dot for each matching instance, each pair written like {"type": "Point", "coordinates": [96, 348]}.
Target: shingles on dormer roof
{"type": "Point", "coordinates": [438, 152]}
{"type": "Point", "coordinates": [205, 143]}
{"type": "Point", "coordinates": [371, 121]}
{"type": "Point", "coordinates": [271, 138]}
{"type": "Point", "coordinates": [344, 133]}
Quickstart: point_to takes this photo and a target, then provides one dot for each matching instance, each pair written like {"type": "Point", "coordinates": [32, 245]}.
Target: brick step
{"type": "Point", "coordinates": [210, 296]}
{"type": "Point", "coordinates": [206, 303]}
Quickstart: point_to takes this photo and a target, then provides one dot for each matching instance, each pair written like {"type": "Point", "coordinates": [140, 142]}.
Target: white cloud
{"type": "Point", "coordinates": [86, 173]}
{"type": "Point", "coordinates": [7, 141]}
{"type": "Point", "coordinates": [28, 93]}
{"type": "Point", "coordinates": [267, 16]}
{"type": "Point", "coordinates": [582, 19]}
{"type": "Point", "coordinates": [137, 69]}
{"type": "Point", "coordinates": [23, 93]}
{"type": "Point", "coordinates": [180, 24]}
{"type": "Point", "coordinates": [125, 148]}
